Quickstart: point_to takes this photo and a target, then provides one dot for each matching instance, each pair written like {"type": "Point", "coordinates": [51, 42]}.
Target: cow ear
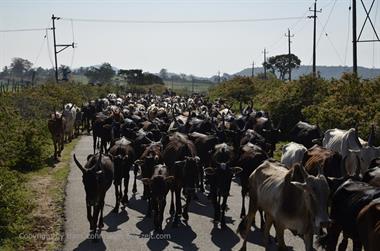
{"type": "Point", "coordinates": [146, 181]}
{"type": "Point", "coordinates": [236, 170]}
{"type": "Point", "coordinates": [89, 157]}
{"type": "Point", "coordinates": [210, 171]}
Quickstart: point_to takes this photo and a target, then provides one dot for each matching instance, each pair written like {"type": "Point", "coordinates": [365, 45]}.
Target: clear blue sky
{"type": "Point", "coordinates": [200, 49]}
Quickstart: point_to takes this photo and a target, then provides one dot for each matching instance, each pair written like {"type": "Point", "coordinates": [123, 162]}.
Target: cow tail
{"type": "Point", "coordinates": [248, 220]}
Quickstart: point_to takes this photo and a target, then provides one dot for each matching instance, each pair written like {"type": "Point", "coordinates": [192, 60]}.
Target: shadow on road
{"type": "Point", "coordinates": [257, 237]}
{"type": "Point", "coordinates": [89, 244]}
{"type": "Point", "coordinates": [113, 220]}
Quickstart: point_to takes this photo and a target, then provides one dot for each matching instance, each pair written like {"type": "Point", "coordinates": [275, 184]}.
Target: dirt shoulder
{"type": "Point", "coordinates": [48, 188]}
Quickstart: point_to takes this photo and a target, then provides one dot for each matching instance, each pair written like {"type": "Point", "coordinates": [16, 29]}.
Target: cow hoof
{"type": "Point", "coordinates": [185, 216]}
{"type": "Point", "coordinates": [223, 225]}
{"type": "Point", "coordinates": [134, 190]}
{"type": "Point", "coordinates": [242, 215]}
{"type": "Point", "coordinates": [124, 200]}
{"type": "Point", "coordinates": [115, 210]}
{"type": "Point", "coordinates": [101, 225]}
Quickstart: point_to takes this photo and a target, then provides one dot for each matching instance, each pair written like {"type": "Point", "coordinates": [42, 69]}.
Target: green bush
{"type": "Point", "coordinates": [15, 205]}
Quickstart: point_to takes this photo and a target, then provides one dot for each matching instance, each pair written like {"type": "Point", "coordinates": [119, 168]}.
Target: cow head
{"type": "Point", "coordinates": [367, 154]}
{"type": "Point", "coordinates": [316, 194]}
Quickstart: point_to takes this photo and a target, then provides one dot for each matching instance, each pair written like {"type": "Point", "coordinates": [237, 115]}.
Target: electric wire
{"type": "Point", "coordinates": [348, 33]}
{"type": "Point", "coordinates": [40, 49]}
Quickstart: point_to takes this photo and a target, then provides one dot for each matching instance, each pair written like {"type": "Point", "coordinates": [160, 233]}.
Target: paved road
{"type": "Point", "coordinates": [129, 230]}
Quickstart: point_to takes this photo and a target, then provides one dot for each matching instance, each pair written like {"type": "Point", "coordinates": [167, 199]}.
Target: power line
{"type": "Point", "coordinates": [199, 21]}
{"type": "Point", "coordinates": [348, 33]}
{"type": "Point", "coordinates": [325, 25]}
{"type": "Point", "coordinates": [23, 30]}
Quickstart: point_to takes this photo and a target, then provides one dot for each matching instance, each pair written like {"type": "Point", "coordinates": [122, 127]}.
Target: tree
{"type": "Point", "coordinates": [20, 66]}
{"type": "Point", "coordinates": [103, 74]}
{"type": "Point", "coordinates": [280, 63]}
{"type": "Point", "coordinates": [164, 74]}
{"type": "Point", "coordinates": [65, 71]}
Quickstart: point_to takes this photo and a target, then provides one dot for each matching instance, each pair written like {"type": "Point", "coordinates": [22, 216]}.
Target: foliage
{"type": "Point", "coordinates": [282, 63]}
{"type": "Point", "coordinates": [164, 74]}
{"type": "Point", "coordinates": [14, 208]}
{"type": "Point", "coordinates": [337, 103]}
{"type": "Point", "coordinates": [137, 77]}
{"type": "Point", "coordinates": [103, 74]}
{"type": "Point", "coordinates": [20, 66]}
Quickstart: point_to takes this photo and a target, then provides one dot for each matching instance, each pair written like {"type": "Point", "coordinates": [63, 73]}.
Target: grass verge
{"type": "Point", "coordinates": [48, 189]}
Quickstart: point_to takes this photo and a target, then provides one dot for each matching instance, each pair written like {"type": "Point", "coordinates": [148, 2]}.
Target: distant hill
{"type": "Point", "coordinates": [326, 72]}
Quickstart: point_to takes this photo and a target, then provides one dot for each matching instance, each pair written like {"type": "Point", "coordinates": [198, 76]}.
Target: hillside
{"type": "Point", "coordinates": [326, 72]}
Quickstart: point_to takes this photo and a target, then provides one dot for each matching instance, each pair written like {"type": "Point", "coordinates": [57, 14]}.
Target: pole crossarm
{"type": "Point", "coordinates": [65, 46]}
{"type": "Point", "coordinates": [368, 18]}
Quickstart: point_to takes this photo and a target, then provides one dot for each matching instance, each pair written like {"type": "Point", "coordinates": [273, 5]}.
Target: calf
{"type": "Point", "coordinates": [123, 158]}
{"type": "Point", "coordinates": [298, 206]}
{"type": "Point", "coordinates": [159, 184]}
{"type": "Point", "coordinates": [69, 113]}
{"type": "Point", "coordinates": [56, 125]}
{"type": "Point", "coordinates": [97, 179]}
{"type": "Point", "coordinates": [221, 173]}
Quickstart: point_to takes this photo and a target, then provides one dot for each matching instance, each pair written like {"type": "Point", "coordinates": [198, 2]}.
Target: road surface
{"type": "Point", "coordinates": [129, 230]}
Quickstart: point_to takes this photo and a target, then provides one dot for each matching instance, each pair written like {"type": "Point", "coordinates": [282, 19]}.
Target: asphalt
{"type": "Point", "coordinates": [130, 230]}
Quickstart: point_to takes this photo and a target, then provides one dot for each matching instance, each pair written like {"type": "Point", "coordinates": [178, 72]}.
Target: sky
{"type": "Point", "coordinates": [201, 49]}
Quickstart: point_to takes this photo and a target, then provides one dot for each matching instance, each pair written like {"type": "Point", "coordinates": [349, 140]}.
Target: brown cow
{"type": "Point", "coordinates": [368, 223]}
{"type": "Point", "coordinates": [288, 204]}
{"type": "Point", "coordinates": [57, 130]}
{"type": "Point", "coordinates": [329, 160]}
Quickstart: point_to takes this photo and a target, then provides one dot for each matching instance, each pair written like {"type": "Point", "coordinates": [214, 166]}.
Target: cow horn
{"type": "Point", "coordinates": [78, 164]}
{"type": "Point", "coordinates": [371, 137]}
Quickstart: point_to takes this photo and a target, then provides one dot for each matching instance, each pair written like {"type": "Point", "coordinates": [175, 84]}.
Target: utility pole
{"type": "Point", "coordinates": [354, 40]}
{"type": "Point", "coordinates": [315, 11]}
{"type": "Point", "coordinates": [64, 46]}
{"type": "Point", "coordinates": [265, 61]}
{"type": "Point", "coordinates": [289, 54]}
{"type": "Point", "coordinates": [357, 39]}
{"type": "Point", "coordinates": [253, 69]}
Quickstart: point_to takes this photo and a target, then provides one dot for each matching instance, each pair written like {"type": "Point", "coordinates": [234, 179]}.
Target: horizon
{"type": "Point", "coordinates": [200, 49]}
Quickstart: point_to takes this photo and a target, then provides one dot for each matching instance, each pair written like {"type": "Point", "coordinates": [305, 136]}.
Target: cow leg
{"type": "Point", "coordinates": [333, 233]}
{"type": "Point", "coordinates": [224, 206]}
{"type": "Point", "coordinates": [116, 209]}
{"type": "Point", "coordinates": [246, 223]}
{"type": "Point", "coordinates": [149, 212]}
{"type": "Point", "coordinates": [55, 149]}
{"type": "Point", "coordinates": [280, 237]}
{"type": "Point", "coordinates": [242, 212]}
{"type": "Point", "coordinates": [145, 192]}
{"type": "Point", "coordinates": [135, 171]}
{"type": "Point", "coordinates": [262, 221]}
{"type": "Point", "coordinates": [94, 140]}
{"type": "Point", "coordinates": [216, 207]}
{"type": "Point", "coordinates": [101, 224]}
{"type": "Point", "coordinates": [89, 218]}
{"type": "Point", "coordinates": [357, 245]}
{"type": "Point", "coordinates": [185, 213]}
{"type": "Point", "coordinates": [126, 183]}
{"type": "Point", "coordinates": [178, 207]}
{"type": "Point", "coordinates": [201, 179]}
{"type": "Point", "coordinates": [161, 210]}
{"type": "Point", "coordinates": [171, 210]}
{"type": "Point", "coordinates": [268, 225]}
{"type": "Point", "coordinates": [343, 244]}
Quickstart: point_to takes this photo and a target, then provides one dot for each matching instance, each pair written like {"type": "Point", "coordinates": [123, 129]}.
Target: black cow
{"type": "Point", "coordinates": [221, 173]}
{"type": "Point", "coordinates": [97, 179]}
{"type": "Point", "coordinates": [250, 158]}
{"type": "Point", "coordinates": [159, 184]}
{"type": "Point", "coordinates": [347, 202]}
{"type": "Point", "coordinates": [123, 157]}
{"type": "Point", "coordinates": [306, 134]}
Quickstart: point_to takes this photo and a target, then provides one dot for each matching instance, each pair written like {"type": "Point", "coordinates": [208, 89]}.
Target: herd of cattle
{"type": "Point", "coordinates": [184, 145]}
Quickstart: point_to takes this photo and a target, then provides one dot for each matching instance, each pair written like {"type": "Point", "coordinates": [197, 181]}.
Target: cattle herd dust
{"type": "Point", "coordinates": [326, 184]}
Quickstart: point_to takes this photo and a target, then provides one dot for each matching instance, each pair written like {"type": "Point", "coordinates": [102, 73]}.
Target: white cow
{"type": "Point", "coordinates": [292, 153]}
{"type": "Point", "coordinates": [69, 113]}
{"type": "Point", "coordinates": [351, 147]}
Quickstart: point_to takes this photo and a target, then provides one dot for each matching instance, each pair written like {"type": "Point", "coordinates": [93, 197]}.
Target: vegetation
{"type": "Point", "coordinates": [282, 64]}
{"type": "Point", "coordinates": [337, 103]}
{"type": "Point", "coordinates": [26, 150]}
